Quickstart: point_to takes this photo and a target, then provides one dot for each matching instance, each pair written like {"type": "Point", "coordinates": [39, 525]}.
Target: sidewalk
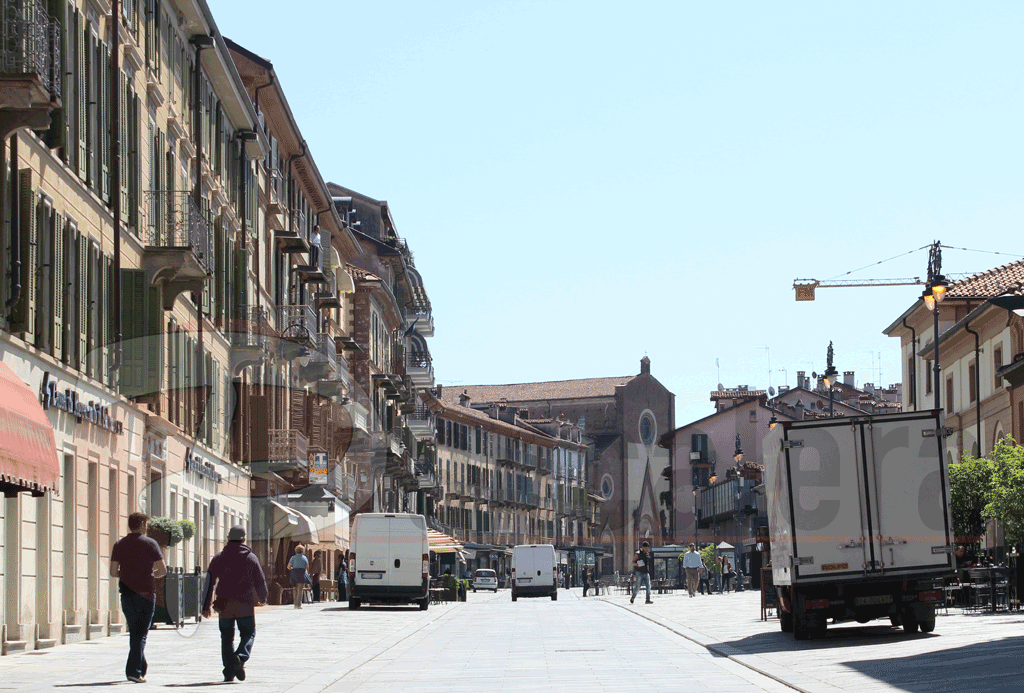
{"type": "Point", "coordinates": [973, 651]}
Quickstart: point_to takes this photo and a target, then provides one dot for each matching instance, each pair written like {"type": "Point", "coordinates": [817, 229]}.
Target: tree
{"type": "Point", "coordinates": [707, 554]}
{"type": "Point", "coordinates": [970, 483]}
{"type": "Point", "coordinates": [1006, 497]}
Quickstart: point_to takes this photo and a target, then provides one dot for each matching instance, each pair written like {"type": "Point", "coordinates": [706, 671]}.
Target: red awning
{"type": "Point", "coordinates": [28, 451]}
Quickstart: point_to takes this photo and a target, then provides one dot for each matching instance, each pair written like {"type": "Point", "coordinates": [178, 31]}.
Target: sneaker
{"type": "Point", "coordinates": [631, 599]}
{"type": "Point", "coordinates": [228, 678]}
{"type": "Point", "coordinates": [648, 602]}
{"type": "Point", "coordinates": [239, 668]}
{"type": "Point", "coordinates": [137, 679]}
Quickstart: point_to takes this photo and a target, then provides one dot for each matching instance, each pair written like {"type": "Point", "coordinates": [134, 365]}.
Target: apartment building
{"type": "Point", "coordinates": [981, 367]}
{"type": "Point", "coordinates": [504, 479]}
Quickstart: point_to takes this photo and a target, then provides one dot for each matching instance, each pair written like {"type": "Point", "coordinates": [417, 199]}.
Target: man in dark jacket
{"type": "Point", "coordinates": [236, 576]}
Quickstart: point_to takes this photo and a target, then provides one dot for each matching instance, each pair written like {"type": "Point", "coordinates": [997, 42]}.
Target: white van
{"type": "Point", "coordinates": [534, 572]}
{"type": "Point", "coordinates": [389, 560]}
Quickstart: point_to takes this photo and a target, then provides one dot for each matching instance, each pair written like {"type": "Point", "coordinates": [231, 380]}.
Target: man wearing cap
{"type": "Point", "coordinates": [236, 576]}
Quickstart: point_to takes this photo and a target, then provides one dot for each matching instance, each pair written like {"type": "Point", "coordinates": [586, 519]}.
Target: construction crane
{"type": "Point", "coordinates": [805, 287]}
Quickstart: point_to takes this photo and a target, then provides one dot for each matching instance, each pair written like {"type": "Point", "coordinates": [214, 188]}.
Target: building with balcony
{"type": "Point", "coordinates": [623, 480]}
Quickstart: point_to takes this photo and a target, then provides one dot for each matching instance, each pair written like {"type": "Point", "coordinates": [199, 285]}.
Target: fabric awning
{"type": "Point", "coordinates": [292, 524]}
{"type": "Point", "coordinates": [28, 449]}
{"type": "Point", "coordinates": [442, 543]}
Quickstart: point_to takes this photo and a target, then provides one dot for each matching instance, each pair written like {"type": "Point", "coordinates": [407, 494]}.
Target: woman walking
{"type": "Point", "coordinates": [343, 578]}
{"type": "Point", "coordinates": [298, 577]}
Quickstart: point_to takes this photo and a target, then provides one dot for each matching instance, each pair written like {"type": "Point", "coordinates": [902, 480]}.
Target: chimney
{"type": "Point", "coordinates": [439, 390]}
{"type": "Point", "coordinates": [800, 378]}
{"type": "Point", "coordinates": [848, 378]}
{"type": "Point", "coordinates": [799, 411]}
{"type": "Point", "coordinates": [645, 366]}
{"type": "Point", "coordinates": [464, 398]}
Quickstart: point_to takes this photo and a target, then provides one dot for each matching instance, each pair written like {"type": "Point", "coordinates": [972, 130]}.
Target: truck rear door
{"type": "Point", "coordinates": [827, 503]}
{"type": "Point", "coordinates": [908, 483]}
{"type": "Point", "coordinates": [373, 551]}
{"type": "Point", "coordinates": [405, 551]}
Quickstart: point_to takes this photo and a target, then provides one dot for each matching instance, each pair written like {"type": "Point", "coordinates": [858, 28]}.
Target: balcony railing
{"type": "Point", "coordinates": [252, 329]}
{"type": "Point", "coordinates": [297, 322]}
{"type": "Point", "coordinates": [30, 44]}
{"type": "Point", "coordinates": [289, 445]}
{"type": "Point", "coordinates": [175, 221]}
{"type": "Point", "coordinates": [325, 352]}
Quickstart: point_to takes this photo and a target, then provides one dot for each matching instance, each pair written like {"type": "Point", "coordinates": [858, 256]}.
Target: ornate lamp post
{"type": "Point", "coordinates": [829, 378]}
{"type": "Point", "coordinates": [934, 292]}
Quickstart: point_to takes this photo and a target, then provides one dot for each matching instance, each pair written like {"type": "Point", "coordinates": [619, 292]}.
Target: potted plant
{"type": "Point", "coordinates": [166, 531]}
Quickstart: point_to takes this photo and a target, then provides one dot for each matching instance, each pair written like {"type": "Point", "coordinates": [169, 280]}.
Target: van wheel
{"type": "Point", "coordinates": [786, 620]}
{"type": "Point", "coordinates": [424, 603]}
{"type": "Point", "coordinates": [353, 603]}
{"type": "Point", "coordinates": [513, 596]}
{"type": "Point", "coordinates": [474, 589]}
{"type": "Point", "coordinates": [554, 597]}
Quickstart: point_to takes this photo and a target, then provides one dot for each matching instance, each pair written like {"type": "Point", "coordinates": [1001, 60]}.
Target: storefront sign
{"type": "Point", "coordinates": [197, 465]}
{"type": "Point", "coordinates": [70, 401]}
{"type": "Point", "coordinates": [318, 468]}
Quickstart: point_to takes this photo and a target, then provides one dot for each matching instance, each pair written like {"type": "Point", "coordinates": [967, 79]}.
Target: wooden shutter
{"type": "Point", "coordinates": [23, 317]}
{"type": "Point", "coordinates": [135, 159]}
{"type": "Point", "coordinates": [297, 406]}
{"type": "Point", "coordinates": [104, 117]}
{"type": "Point", "coordinates": [106, 323]}
{"type": "Point", "coordinates": [58, 283]}
{"type": "Point", "coordinates": [81, 100]}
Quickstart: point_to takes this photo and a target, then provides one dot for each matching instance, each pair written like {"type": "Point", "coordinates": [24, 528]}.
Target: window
{"type": "Point", "coordinates": [927, 377]}
{"type": "Point", "coordinates": [949, 395]}
{"type": "Point", "coordinates": [997, 362]}
{"type": "Point", "coordinates": [972, 385]}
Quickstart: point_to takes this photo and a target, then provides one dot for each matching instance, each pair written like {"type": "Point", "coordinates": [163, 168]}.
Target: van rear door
{"type": "Point", "coordinates": [373, 541]}
{"type": "Point", "coordinates": [405, 551]}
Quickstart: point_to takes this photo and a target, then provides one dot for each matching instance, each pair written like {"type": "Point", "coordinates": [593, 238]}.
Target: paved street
{"type": "Point", "coordinates": [715, 643]}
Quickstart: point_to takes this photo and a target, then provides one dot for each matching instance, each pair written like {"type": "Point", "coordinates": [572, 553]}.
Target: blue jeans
{"type": "Point", "coordinates": [246, 635]}
{"type": "Point", "coordinates": [138, 614]}
{"type": "Point", "coordinates": [642, 579]}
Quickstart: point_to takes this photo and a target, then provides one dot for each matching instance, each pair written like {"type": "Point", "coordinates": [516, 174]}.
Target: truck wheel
{"type": "Point", "coordinates": [786, 621]}
{"type": "Point", "coordinates": [353, 603]}
{"type": "Point", "coordinates": [910, 623]}
{"type": "Point", "coordinates": [513, 596]}
{"type": "Point", "coordinates": [801, 626]}
{"type": "Point", "coordinates": [424, 603]}
{"type": "Point", "coordinates": [554, 596]}
{"type": "Point", "coordinates": [927, 626]}
{"type": "Point", "coordinates": [895, 620]}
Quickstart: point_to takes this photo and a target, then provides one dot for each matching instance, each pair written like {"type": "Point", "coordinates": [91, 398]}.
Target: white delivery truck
{"type": "Point", "coordinates": [860, 523]}
{"type": "Point", "coordinates": [534, 571]}
{"type": "Point", "coordinates": [389, 560]}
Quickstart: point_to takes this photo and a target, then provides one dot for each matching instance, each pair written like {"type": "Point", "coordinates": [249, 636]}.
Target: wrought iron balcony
{"type": "Point", "coordinates": [30, 66]}
{"type": "Point", "coordinates": [420, 420]}
{"type": "Point", "coordinates": [420, 368]}
{"type": "Point", "coordinates": [290, 447]}
{"type": "Point", "coordinates": [423, 319]}
{"type": "Point", "coordinates": [323, 359]}
{"type": "Point", "coordinates": [178, 251]}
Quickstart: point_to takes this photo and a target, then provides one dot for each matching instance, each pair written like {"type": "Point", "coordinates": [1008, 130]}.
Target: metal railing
{"type": "Point", "coordinates": [252, 329]}
{"type": "Point", "coordinates": [324, 351]}
{"type": "Point", "coordinates": [175, 221]}
{"type": "Point", "coordinates": [302, 316]}
{"type": "Point", "coordinates": [30, 43]}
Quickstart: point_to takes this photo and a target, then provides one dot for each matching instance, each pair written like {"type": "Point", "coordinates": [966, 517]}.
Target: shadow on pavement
{"type": "Point", "coordinates": [94, 683]}
{"type": "Point", "coordinates": [993, 667]}
{"type": "Point", "coordinates": [836, 636]}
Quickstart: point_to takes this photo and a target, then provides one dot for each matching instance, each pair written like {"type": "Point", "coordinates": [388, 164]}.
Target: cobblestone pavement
{"type": "Point", "coordinates": [709, 643]}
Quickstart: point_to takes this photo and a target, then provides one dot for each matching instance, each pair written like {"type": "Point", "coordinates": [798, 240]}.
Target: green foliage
{"type": "Point", "coordinates": [1006, 497]}
{"type": "Point", "coordinates": [970, 483]}
{"type": "Point", "coordinates": [708, 556]}
{"type": "Point", "coordinates": [166, 531]}
{"type": "Point", "coordinates": [188, 529]}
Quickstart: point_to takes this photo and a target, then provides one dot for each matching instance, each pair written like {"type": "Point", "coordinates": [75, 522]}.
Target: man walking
{"type": "Point", "coordinates": [692, 563]}
{"type": "Point", "coordinates": [136, 561]}
{"type": "Point", "coordinates": [642, 571]}
{"type": "Point", "coordinates": [237, 577]}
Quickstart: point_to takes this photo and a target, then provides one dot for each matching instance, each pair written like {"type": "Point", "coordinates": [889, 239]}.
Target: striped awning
{"type": "Point", "coordinates": [28, 450]}
{"type": "Point", "coordinates": [442, 543]}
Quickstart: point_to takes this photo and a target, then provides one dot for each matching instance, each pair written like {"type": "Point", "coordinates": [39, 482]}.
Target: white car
{"type": "Point", "coordinates": [485, 579]}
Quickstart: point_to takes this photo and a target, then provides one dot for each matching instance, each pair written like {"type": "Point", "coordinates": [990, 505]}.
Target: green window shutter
{"type": "Point", "coordinates": [83, 301]}
{"type": "Point", "coordinates": [106, 323]}
{"type": "Point", "coordinates": [58, 284]}
{"type": "Point", "coordinates": [153, 359]}
{"type": "Point", "coordinates": [23, 317]}
{"type": "Point", "coordinates": [123, 130]}
{"type": "Point", "coordinates": [82, 99]}
{"type": "Point", "coordinates": [93, 82]}
{"type": "Point", "coordinates": [151, 55]}
{"type": "Point", "coordinates": [104, 117]}
{"type": "Point", "coordinates": [136, 160]}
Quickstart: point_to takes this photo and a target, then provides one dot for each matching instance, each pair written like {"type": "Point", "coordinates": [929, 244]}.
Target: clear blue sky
{"type": "Point", "coordinates": [586, 182]}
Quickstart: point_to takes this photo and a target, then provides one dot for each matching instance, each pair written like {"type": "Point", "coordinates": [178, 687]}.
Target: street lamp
{"type": "Point", "coordinates": [829, 377]}
{"type": "Point", "coordinates": [934, 292]}
{"type": "Point", "coordinates": [738, 454]}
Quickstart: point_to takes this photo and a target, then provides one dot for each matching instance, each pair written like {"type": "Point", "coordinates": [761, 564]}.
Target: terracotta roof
{"type": "Point", "coordinates": [736, 394]}
{"type": "Point", "coordinates": [531, 392]}
{"type": "Point", "coordinates": [362, 274]}
{"type": "Point", "coordinates": [1005, 279]}
{"type": "Point", "coordinates": [455, 411]}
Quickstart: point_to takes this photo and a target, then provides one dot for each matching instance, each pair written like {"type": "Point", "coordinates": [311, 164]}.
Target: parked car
{"type": "Point", "coordinates": [390, 561]}
{"type": "Point", "coordinates": [485, 579]}
{"type": "Point", "coordinates": [534, 572]}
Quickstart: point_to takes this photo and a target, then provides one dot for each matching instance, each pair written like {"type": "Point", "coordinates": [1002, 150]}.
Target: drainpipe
{"type": "Point", "coordinates": [977, 385]}
{"type": "Point", "coordinates": [114, 185]}
{"type": "Point", "coordinates": [256, 92]}
{"type": "Point", "coordinates": [15, 228]}
{"type": "Point", "coordinates": [913, 364]}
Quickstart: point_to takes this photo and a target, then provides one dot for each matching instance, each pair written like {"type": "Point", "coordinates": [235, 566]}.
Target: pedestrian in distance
{"type": "Point", "coordinates": [343, 578]}
{"type": "Point", "coordinates": [692, 564]}
{"type": "Point", "coordinates": [727, 574]}
{"type": "Point", "coordinates": [136, 562]}
{"type": "Point", "coordinates": [298, 577]}
{"type": "Point", "coordinates": [316, 568]}
{"type": "Point", "coordinates": [236, 577]}
{"type": "Point", "coordinates": [642, 571]}
{"type": "Point", "coordinates": [704, 585]}
{"type": "Point", "coordinates": [586, 581]}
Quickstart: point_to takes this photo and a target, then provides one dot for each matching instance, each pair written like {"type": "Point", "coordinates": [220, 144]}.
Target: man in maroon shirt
{"type": "Point", "coordinates": [136, 561]}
